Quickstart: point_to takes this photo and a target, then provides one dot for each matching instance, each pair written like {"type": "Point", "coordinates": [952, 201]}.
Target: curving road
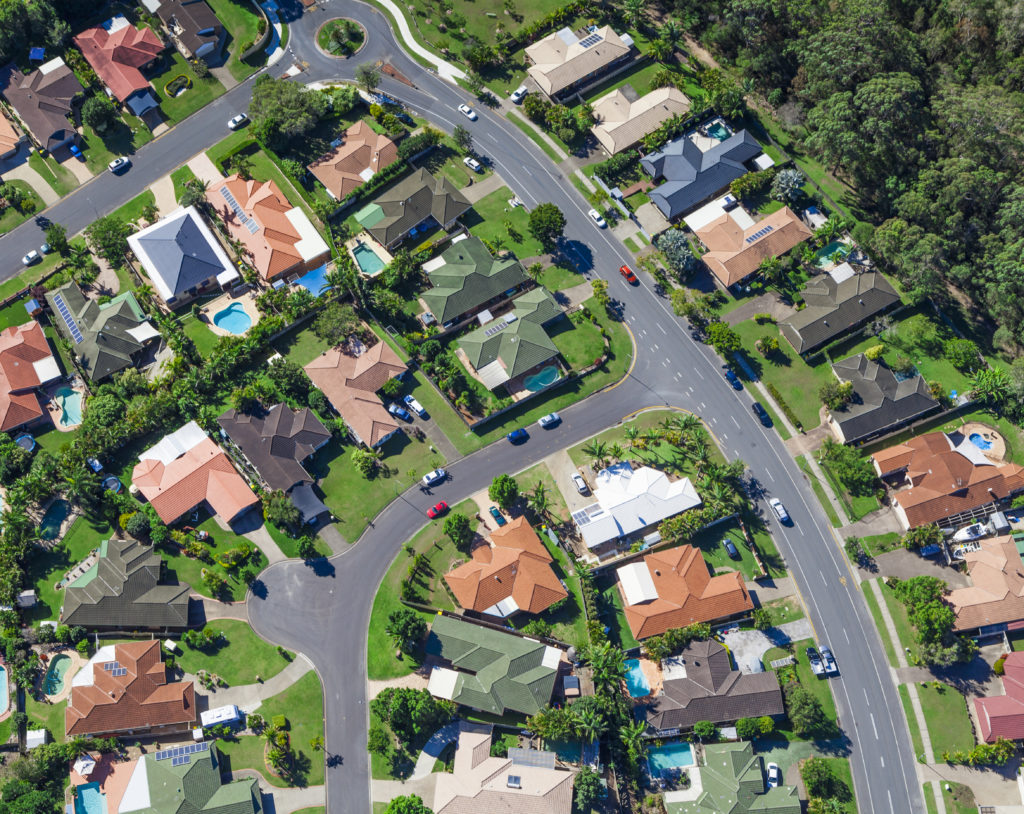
{"type": "Point", "coordinates": [323, 612]}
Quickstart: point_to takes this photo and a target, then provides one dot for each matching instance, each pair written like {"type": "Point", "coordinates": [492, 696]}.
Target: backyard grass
{"type": "Point", "coordinates": [611, 613]}
{"type": "Point", "coordinates": [179, 178]}
{"type": "Point", "coordinates": [42, 715]}
{"type": "Point", "coordinates": [238, 659]}
{"type": "Point", "coordinates": [15, 215]}
{"type": "Point", "coordinates": [580, 343]}
{"type": "Point", "coordinates": [489, 216]}
{"type": "Point", "coordinates": [915, 732]}
{"type": "Point", "coordinates": [819, 492]}
{"type": "Point", "coordinates": [876, 615]}
{"type": "Point", "coordinates": [534, 136]}
{"type": "Point", "coordinates": [946, 716]}
{"type": "Point", "coordinates": [60, 179]}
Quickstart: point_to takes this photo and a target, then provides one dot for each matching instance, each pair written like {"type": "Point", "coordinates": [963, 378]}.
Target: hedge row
{"type": "Point", "coordinates": [775, 394]}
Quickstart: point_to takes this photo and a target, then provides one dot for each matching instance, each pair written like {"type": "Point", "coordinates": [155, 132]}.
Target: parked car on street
{"type": "Point", "coordinates": [518, 436]}
{"type": "Point", "coordinates": [237, 121]}
{"type": "Point", "coordinates": [550, 420]}
{"type": "Point", "coordinates": [762, 414]}
{"type": "Point", "coordinates": [120, 164]}
{"type": "Point", "coordinates": [30, 258]}
{"type": "Point", "coordinates": [499, 518]}
{"type": "Point", "coordinates": [579, 483]}
{"type": "Point", "coordinates": [596, 217]}
{"type": "Point", "coordinates": [415, 406]}
{"type": "Point", "coordinates": [434, 477]}
{"type": "Point", "coordinates": [733, 379]}
{"type": "Point", "coordinates": [816, 666]}
{"type": "Point", "coordinates": [437, 510]}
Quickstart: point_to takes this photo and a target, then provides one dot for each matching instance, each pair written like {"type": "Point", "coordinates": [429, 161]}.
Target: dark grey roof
{"type": "Point", "coordinates": [305, 499]}
{"type": "Point", "coordinates": [880, 401]}
{"type": "Point", "coordinates": [713, 691]}
{"type": "Point", "coordinates": [192, 21]}
{"type": "Point", "coordinates": [469, 278]}
{"type": "Point", "coordinates": [180, 252]}
{"type": "Point", "coordinates": [411, 201]}
{"type": "Point", "coordinates": [43, 101]}
{"type": "Point", "coordinates": [123, 591]}
{"type": "Point", "coordinates": [691, 176]}
{"type": "Point", "coordinates": [276, 441]}
{"type": "Point", "coordinates": [835, 308]}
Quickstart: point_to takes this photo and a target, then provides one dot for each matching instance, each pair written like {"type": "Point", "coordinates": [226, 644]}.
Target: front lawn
{"type": "Point", "coordinates": [785, 610]}
{"type": "Point", "coordinates": [131, 212]}
{"type": "Point", "coordinates": [238, 658]}
{"type": "Point", "coordinates": [179, 178]}
{"type": "Point", "coordinates": [841, 770]}
{"type": "Point", "coordinates": [47, 566]}
{"type": "Point", "coordinates": [197, 95]}
{"type": "Point", "coordinates": [540, 473]}
{"type": "Point", "coordinates": [490, 219]}
{"type": "Point", "coordinates": [959, 799]}
{"type": "Point", "coordinates": [242, 24]}
{"type": "Point", "coordinates": [124, 138]}
{"type": "Point", "coordinates": [16, 215]}
{"type": "Point", "coordinates": [60, 179]}
{"type": "Point", "coordinates": [901, 621]}
{"type": "Point", "coordinates": [876, 544]}
{"type": "Point", "coordinates": [818, 687]}
{"type": "Point", "coordinates": [580, 343]}
{"type": "Point", "coordinates": [445, 160]}
{"type": "Point", "coordinates": [558, 278]}
{"type": "Point", "coordinates": [857, 506]}
{"type": "Point", "coordinates": [947, 718]}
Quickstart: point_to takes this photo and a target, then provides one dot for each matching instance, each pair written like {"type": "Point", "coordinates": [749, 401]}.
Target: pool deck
{"type": "Point", "coordinates": [112, 775]}
{"type": "Point", "coordinates": [77, 662]}
{"type": "Point", "coordinates": [247, 299]}
{"type": "Point", "coordinates": [55, 409]}
{"type": "Point", "coordinates": [997, 452]}
{"type": "Point", "coordinates": [72, 514]}
{"type": "Point", "coordinates": [366, 239]}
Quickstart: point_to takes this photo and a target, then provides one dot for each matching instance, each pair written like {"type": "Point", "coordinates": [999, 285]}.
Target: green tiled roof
{"type": "Point", "coordinates": [733, 783]}
{"type": "Point", "coordinates": [484, 658]}
{"type": "Point", "coordinates": [410, 202]}
{"type": "Point", "coordinates": [469, 278]}
{"type": "Point", "coordinates": [195, 788]}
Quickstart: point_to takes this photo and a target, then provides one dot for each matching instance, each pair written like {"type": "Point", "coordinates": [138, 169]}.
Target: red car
{"type": "Point", "coordinates": [627, 272]}
{"type": "Point", "coordinates": [438, 510]}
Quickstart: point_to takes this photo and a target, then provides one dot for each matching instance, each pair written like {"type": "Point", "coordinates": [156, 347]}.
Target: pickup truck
{"type": "Point", "coordinates": [829, 661]}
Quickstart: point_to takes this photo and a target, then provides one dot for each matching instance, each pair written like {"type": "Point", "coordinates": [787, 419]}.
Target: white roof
{"type": "Point", "coordinates": [175, 445]}
{"type": "Point", "coordinates": [504, 608]}
{"type": "Point", "coordinates": [492, 374]}
{"type": "Point", "coordinates": [227, 276]}
{"type": "Point", "coordinates": [83, 678]}
{"type": "Point", "coordinates": [35, 737]}
{"type": "Point", "coordinates": [433, 265]}
{"type": "Point", "coordinates": [764, 161]}
{"type": "Point", "coordinates": [143, 331]}
{"type": "Point", "coordinates": [219, 715]}
{"type": "Point", "coordinates": [968, 449]}
{"type": "Point", "coordinates": [46, 369]}
{"type": "Point", "coordinates": [84, 765]}
{"type": "Point", "coordinates": [844, 271]}
{"type": "Point", "coordinates": [442, 683]}
{"type": "Point", "coordinates": [170, 646]}
{"type": "Point", "coordinates": [136, 793]}
{"type": "Point", "coordinates": [637, 583]}
{"type": "Point", "coordinates": [457, 238]}
{"type": "Point", "coordinates": [52, 65]}
{"type": "Point", "coordinates": [714, 210]}
{"type": "Point", "coordinates": [552, 657]}
{"type": "Point", "coordinates": [309, 244]}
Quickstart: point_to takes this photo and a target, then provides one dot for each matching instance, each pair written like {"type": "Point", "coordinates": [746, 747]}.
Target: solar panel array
{"type": "Point", "coordinates": [759, 234]}
{"type": "Point", "coordinates": [111, 665]}
{"type": "Point", "coordinates": [532, 757]}
{"type": "Point", "coordinates": [180, 754]}
{"type": "Point", "coordinates": [245, 220]}
{"type": "Point", "coordinates": [495, 328]}
{"type": "Point", "coordinates": [592, 39]}
{"type": "Point", "coordinates": [65, 314]}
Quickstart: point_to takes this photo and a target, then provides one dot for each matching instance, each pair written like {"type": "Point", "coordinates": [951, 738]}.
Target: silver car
{"type": "Point", "coordinates": [436, 476]}
{"type": "Point", "coordinates": [579, 483]}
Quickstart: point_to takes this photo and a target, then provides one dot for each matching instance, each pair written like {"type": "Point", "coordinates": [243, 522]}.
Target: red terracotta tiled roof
{"type": "Point", "coordinates": [21, 347]}
{"type": "Point", "coordinates": [996, 594]}
{"type": "Point", "coordinates": [361, 152]}
{"type": "Point", "coordinates": [117, 57]}
{"type": "Point", "coordinates": [735, 253]}
{"type": "Point", "coordinates": [1002, 716]}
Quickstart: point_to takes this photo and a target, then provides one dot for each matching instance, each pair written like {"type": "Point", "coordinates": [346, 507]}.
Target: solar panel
{"type": "Point", "coordinates": [202, 747]}
{"type": "Point", "coordinates": [532, 757]}
{"type": "Point", "coordinates": [495, 328]}
{"type": "Point", "coordinates": [119, 671]}
{"type": "Point", "coordinates": [590, 40]}
{"type": "Point", "coordinates": [252, 226]}
{"type": "Point", "coordinates": [181, 760]}
{"type": "Point", "coordinates": [76, 335]}
{"type": "Point", "coordinates": [163, 754]}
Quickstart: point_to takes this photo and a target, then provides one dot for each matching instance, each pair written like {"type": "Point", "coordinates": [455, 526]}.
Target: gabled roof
{"type": "Point", "coordinates": [880, 400]}
{"type": "Point", "coordinates": [10, 137]}
{"type": "Point", "coordinates": [179, 252]}
{"type": "Point", "coordinates": [26, 362]}
{"type": "Point", "coordinates": [479, 783]}
{"type": "Point", "coordinates": [673, 588]}
{"type": "Point", "coordinates": [996, 595]}
{"type": "Point", "coordinates": [408, 203]}
{"type": "Point", "coordinates": [492, 671]}
{"type": "Point", "coordinates": [735, 253]}
{"type": "Point", "coordinates": [691, 176]}
{"type": "Point", "coordinates": [276, 441]}
{"type": "Point", "coordinates": [516, 342]}
{"type": "Point", "coordinates": [733, 782]}
{"type": "Point", "coordinates": [192, 21]}
{"type": "Point", "coordinates": [124, 687]}
{"type": "Point", "coordinates": [515, 566]}
{"type": "Point", "coordinates": [108, 337]}
{"type": "Point", "coordinates": [562, 59]}
{"type": "Point", "coordinates": [468, 278]}
{"type": "Point", "coordinates": [350, 379]}
{"type": "Point", "coordinates": [42, 99]}
{"type": "Point", "coordinates": [708, 689]}
{"type": "Point", "coordinates": [123, 590]}
{"type": "Point", "coordinates": [946, 475]}
{"type": "Point", "coordinates": [200, 472]}
{"type": "Point", "coordinates": [623, 119]}
{"type": "Point", "coordinates": [360, 155]}
{"type": "Point", "coordinates": [1002, 716]}
{"type": "Point", "coordinates": [836, 302]}
{"type": "Point", "coordinates": [277, 237]}
{"type": "Point", "coordinates": [117, 50]}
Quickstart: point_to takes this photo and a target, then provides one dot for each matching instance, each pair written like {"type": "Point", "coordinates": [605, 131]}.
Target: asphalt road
{"type": "Point", "coordinates": [323, 611]}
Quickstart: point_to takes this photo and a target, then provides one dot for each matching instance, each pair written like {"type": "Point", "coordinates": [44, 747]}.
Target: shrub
{"type": "Point", "coordinates": [962, 353]}
{"type": "Point", "coordinates": [836, 395]}
{"type": "Point", "coordinates": [874, 353]}
{"type": "Point", "coordinates": [773, 391]}
{"type": "Point", "coordinates": [279, 722]}
{"type": "Point", "coordinates": [764, 318]}
{"type": "Point", "coordinates": [138, 526]}
{"type": "Point", "coordinates": [1000, 666]}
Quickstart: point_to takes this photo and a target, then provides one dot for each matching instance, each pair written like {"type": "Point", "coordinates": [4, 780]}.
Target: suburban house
{"type": "Point", "coordinates": [509, 347]}
{"type": "Point", "coordinates": [701, 685]}
{"type": "Point", "coordinates": [490, 670]}
{"type": "Point", "coordinates": [10, 137]}
{"type": "Point", "coordinates": [1002, 716]}
{"type": "Point", "coordinates": [736, 250]}
{"type": "Point", "coordinates": [690, 175]}
{"type": "Point", "coordinates": [123, 690]}
{"type": "Point", "coordinates": [525, 781]}
{"type": "Point", "coordinates": [182, 257]}
{"type": "Point", "coordinates": [119, 53]}
{"type": "Point", "coordinates": [837, 302]}
{"type": "Point", "coordinates": [350, 376]}
{"type": "Point", "coordinates": [43, 101]}
{"type": "Point", "coordinates": [629, 501]}
{"type": "Point", "coordinates": [509, 574]}
{"type": "Point", "coordinates": [467, 281]}
{"type": "Point", "coordinates": [26, 363]}
{"type": "Point", "coordinates": [178, 779]}
{"type": "Point", "coordinates": [673, 588]}
{"type": "Point", "coordinates": [186, 470]}
{"type": "Point", "coordinates": [277, 238]}
{"type": "Point", "coordinates": [417, 204]}
{"type": "Point", "coordinates": [106, 338]}
{"type": "Point", "coordinates": [994, 601]}
{"type": "Point", "coordinates": [354, 159]}
{"type": "Point", "coordinates": [276, 442]}
{"type": "Point", "coordinates": [124, 590]}
{"type": "Point", "coordinates": [732, 781]}
{"type": "Point", "coordinates": [194, 28]}
{"type": "Point", "coordinates": [564, 62]}
{"type": "Point", "coordinates": [944, 478]}
{"type": "Point", "coordinates": [623, 117]}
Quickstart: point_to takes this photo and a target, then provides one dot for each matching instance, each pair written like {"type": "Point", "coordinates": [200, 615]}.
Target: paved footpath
{"type": "Point", "coordinates": [249, 697]}
{"type": "Point", "coordinates": [432, 749]}
{"type": "Point", "coordinates": [285, 800]}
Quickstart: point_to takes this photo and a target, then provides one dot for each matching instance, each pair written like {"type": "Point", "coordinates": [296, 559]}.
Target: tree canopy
{"type": "Point", "coordinates": [282, 110]}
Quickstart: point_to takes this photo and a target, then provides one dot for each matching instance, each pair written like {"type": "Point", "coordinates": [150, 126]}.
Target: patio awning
{"type": "Point", "coordinates": [84, 765]}
{"type": "Point", "coordinates": [305, 500]}
{"type": "Point", "coordinates": [143, 331]}
{"type": "Point", "coordinates": [226, 277]}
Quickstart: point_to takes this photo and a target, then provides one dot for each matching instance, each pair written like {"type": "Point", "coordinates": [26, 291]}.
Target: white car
{"type": "Point", "coordinates": [774, 775]}
{"type": "Point", "coordinates": [829, 661]}
{"type": "Point", "coordinates": [519, 94]}
{"type": "Point", "coordinates": [30, 258]}
{"type": "Point", "coordinates": [579, 483]}
{"type": "Point", "coordinates": [468, 112]}
{"type": "Point", "coordinates": [472, 163]}
{"type": "Point", "coordinates": [596, 217]}
{"type": "Point", "coordinates": [514, 202]}
{"type": "Point", "coordinates": [436, 476]}
{"type": "Point", "coordinates": [237, 121]}
{"type": "Point", "coordinates": [119, 164]}
{"type": "Point", "coordinates": [780, 510]}
{"type": "Point", "coordinates": [415, 406]}
{"type": "Point", "coordinates": [549, 420]}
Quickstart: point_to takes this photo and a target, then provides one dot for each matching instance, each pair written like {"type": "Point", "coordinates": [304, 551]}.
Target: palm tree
{"type": "Point", "coordinates": [700, 454]}
{"type": "Point", "coordinates": [632, 735]}
{"type": "Point", "coordinates": [772, 270]}
{"type": "Point", "coordinates": [537, 499]}
{"type": "Point", "coordinates": [632, 435]}
{"type": "Point", "coordinates": [617, 452]}
{"type": "Point", "coordinates": [686, 423]}
{"type": "Point", "coordinates": [671, 32]}
{"type": "Point", "coordinates": [659, 50]}
{"type": "Point", "coordinates": [807, 255]}
{"type": "Point", "coordinates": [634, 11]}
{"type": "Point", "coordinates": [597, 451]}
{"type": "Point", "coordinates": [651, 437]}
{"type": "Point", "coordinates": [589, 722]}
{"type": "Point", "coordinates": [82, 486]}
{"type": "Point", "coordinates": [607, 664]}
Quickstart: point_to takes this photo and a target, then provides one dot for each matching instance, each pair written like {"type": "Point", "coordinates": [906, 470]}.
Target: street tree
{"type": "Point", "coordinates": [57, 237]}
{"type": "Point", "coordinates": [458, 529]}
{"type": "Point", "coordinates": [547, 224]}
{"type": "Point", "coordinates": [463, 138]}
{"type": "Point", "coordinates": [368, 75]}
{"type": "Point", "coordinates": [282, 110]}
{"type": "Point", "coordinates": [503, 490]}
{"type": "Point", "coordinates": [404, 626]}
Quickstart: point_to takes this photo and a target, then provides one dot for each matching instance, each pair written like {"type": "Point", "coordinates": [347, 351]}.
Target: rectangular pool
{"type": "Point", "coordinates": [636, 681]}
{"type": "Point", "coordinates": [367, 259]}
{"type": "Point", "coordinates": [669, 756]}
{"type": "Point", "coordinates": [824, 254]}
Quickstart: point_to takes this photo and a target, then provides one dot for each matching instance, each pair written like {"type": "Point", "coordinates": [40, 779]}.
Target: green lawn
{"type": "Point", "coordinates": [446, 160]}
{"type": "Point", "coordinates": [60, 179]}
{"type": "Point", "coordinates": [242, 24]}
{"type": "Point", "coordinates": [534, 136]}
{"type": "Point", "coordinates": [540, 473]}
{"type": "Point", "coordinates": [579, 343]}
{"type": "Point", "coordinates": [199, 332]}
{"type": "Point", "coordinates": [857, 506]}
{"type": "Point", "coordinates": [190, 570]}
{"type": "Point", "coordinates": [640, 78]}
{"type": "Point", "coordinates": [179, 178]}
{"type": "Point", "coordinates": [611, 613]}
{"type": "Point", "coordinates": [818, 687]}
{"type": "Point", "coordinates": [229, 143]}
{"type": "Point", "coordinates": [47, 566]}
{"type": "Point", "coordinates": [649, 419]}
{"type": "Point", "coordinates": [904, 630]}
{"type": "Point", "coordinates": [487, 220]}
{"type": "Point", "coordinates": [42, 715]}
{"type": "Point", "coordinates": [784, 610]}
{"type": "Point", "coordinates": [239, 660]}
{"type": "Point", "coordinates": [915, 732]}
{"type": "Point", "coordinates": [124, 138]}
{"type": "Point", "coordinates": [198, 95]}
{"type": "Point", "coordinates": [301, 346]}
{"type": "Point", "coordinates": [819, 492]}
{"type": "Point", "coordinates": [290, 545]}
{"type": "Point", "coordinates": [946, 716]}
{"type": "Point", "coordinates": [959, 799]}
{"type": "Point", "coordinates": [710, 541]}
{"type": "Point", "coordinates": [880, 543]}
{"type": "Point", "coordinates": [628, 241]}
{"type": "Point", "coordinates": [131, 212]}
{"type": "Point", "coordinates": [14, 216]}
{"type": "Point", "coordinates": [14, 314]}
{"type": "Point", "coordinates": [841, 769]}
{"type": "Point", "coordinates": [557, 278]}
{"type": "Point", "coordinates": [876, 615]}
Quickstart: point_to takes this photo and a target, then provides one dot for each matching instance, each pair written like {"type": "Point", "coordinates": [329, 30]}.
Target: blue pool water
{"type": "Point", "coordinates": [367, 259]}
{"type": "Point", "coordinates": [4, 698]}
{"type": "Point", "coordinates": [70, 402]}
{"type": "Point", "coordinates": [719, 131]}
{"type": "Point", "coordinates": [314, 281]}
{"type": "Point", "coordinates": [233, 319]}
{"type": "Point", "coordinates": [541, 379]}
{"type": "Point", "coordinates": [53, 681]}
{"type": "Point", "coordinates": [825, 253]}
{"type": "Point", "coordinates": [636, 681]}
{"type": "Point", "coordinates": [979, 441]}
{"type": "Point", "coordinates": [669, 756]}
{"type": "Point", "coordinates": [90, 800]}
{"type": "Point", "coordinates": [49, 526]}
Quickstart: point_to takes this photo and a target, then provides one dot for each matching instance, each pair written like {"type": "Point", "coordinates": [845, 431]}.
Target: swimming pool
{"type": "Point", "coordinates": [5, 700]}
{"type": "Point", "coordinates": [719, 131]}
{"type": "Point", "coordinates": [669, 756]}
{"type": "Point", "coordinates": [49, 526]}
{"type": "Point", "coordinates": [53, 681]}
{"type": "Point", "coordinates": [90, 800]}
{"type": "Point", "coordinates": [314, 281]}
{"type": "Point", "coordinates": [979, 441]}
{"type": "Point", "coordinates": [541, 379]}
{"type": "Point", "coordinates": [70, 402]}
{"type": "Point", "coordinates": [636, 681]}
{"type": "Point", "coordinates": [824, 254]}
{"type": "Point", "coordinates": [367, 259]}
{"type": "Point", "coordinates": [233, 319]}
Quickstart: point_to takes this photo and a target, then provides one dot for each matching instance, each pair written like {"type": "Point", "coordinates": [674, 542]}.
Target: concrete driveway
{"type": "Point", "coordinates": [748, 646]}
{"type": "Point", "coordinates": [561, 467]}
